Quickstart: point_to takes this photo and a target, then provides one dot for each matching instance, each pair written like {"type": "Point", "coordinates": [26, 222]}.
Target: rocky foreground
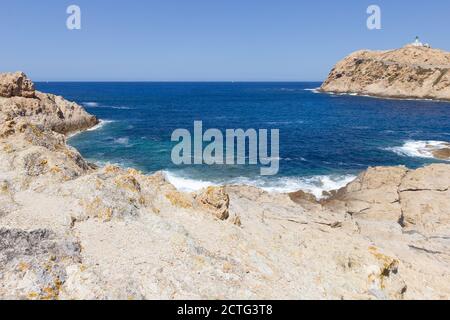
{"type": "Point", "coordinates": [409, 72]}
{"type": "Point", "coordinates": [70, 230]}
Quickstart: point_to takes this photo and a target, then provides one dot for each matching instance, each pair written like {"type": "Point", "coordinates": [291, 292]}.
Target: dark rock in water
{"type": "Point", "coordinates": [301, 197]}
{"type": "Point", "coordinates": [443, 154]}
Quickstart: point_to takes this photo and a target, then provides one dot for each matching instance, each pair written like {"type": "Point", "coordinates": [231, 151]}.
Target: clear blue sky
{"type": "Point", "coordinates": [206, 40]}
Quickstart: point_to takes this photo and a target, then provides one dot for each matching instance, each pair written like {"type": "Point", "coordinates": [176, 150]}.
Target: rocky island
{"type": "Point", "coordinates": [413, 72]}
{"type": "Point", "coordinates": [72, 230]}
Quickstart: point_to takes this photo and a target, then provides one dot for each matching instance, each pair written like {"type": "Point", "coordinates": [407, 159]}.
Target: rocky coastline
{"type": "Point", "coordinates": [405, 73]}
{"type": "Point", "coordinates": [72, 230]}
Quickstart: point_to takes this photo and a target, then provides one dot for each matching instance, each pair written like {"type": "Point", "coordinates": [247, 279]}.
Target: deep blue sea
{"type": "Point", "coordinates": [324, 139]}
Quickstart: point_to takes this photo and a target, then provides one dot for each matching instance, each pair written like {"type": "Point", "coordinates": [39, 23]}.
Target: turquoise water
{"type": "Point", "coordinates": [324, 139]}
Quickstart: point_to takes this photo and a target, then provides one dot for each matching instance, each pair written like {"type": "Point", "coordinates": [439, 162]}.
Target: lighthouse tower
{"type": "Point", "coordinates": [417, 43]}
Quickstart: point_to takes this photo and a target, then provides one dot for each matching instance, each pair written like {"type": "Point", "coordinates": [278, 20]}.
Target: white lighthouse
{"type": "Point", "coordinates": [418, 43]}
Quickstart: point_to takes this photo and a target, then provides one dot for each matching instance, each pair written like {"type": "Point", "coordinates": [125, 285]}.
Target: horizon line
{"type": "Point", "coordinates": [177, 81]}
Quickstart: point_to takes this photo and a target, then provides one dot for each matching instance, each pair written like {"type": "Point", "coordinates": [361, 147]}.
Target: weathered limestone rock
{"type": "Point", "coordinates": [215, 200]}
{"type": "Point", "coordinates": [106, 194]}
{"type": "Point", "coordinates": [37, 156]}
{"type": "Point", "coordinates": [426, 210]}
{"type": "Point", "coordinates": [373, 195]}
{"type": "Point", "coordinates": [434, 177]}
{"type": "Point", "coordinates": [33, 263]}
{"type": "Point", "coordinates": [409, 72]}
{"type": "Point", "coordinates": [425, 199]}
{"type": "Point", "coordinates": [16, 85]}
{"type": "Point", "coordinates": [47, 110]}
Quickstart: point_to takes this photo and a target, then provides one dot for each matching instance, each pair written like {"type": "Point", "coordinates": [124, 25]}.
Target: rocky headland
{"type": "Point", "coordinates": [407, 73]}
{"type": "Point", "coordinates": [72, 230]}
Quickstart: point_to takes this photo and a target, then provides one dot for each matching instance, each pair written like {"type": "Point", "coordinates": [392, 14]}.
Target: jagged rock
{"type": "Point", "coordinates": [37, 156]}
{"type": "Point", "coordinates": [106, 194]}
{"type": "Point", "coordinates": [215, 200]}
{"type": "Point", "coordinates": [409, 72]}
{"type": "Point", "coordinates": [47, 110]}
{"type": "Point", "coordinates": [16, 85]}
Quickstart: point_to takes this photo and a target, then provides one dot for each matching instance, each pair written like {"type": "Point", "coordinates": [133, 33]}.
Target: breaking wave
{"type": "Point", "coordinates": [100, 125]}
{"type": "Point", "coordinates": [419, 149]}
{"type": "Point", "coordinates": [314, 90]}
{"type": "Point", "coordinates": [315, 185]}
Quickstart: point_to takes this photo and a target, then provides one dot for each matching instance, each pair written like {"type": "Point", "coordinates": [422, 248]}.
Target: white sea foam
{"type": "Point", "coordinates": [104, 163]}
{"type": "Point", "coordinates": [419, 149]}
{"type": "Point", "coordinates": [123, 141]}
{"type": "Point", "coordinates": [100, 125]}
{"type": "Point", "coordinates": [315, 184]}
{"type": "Point", "coordinates": [382, 98]}
{"type": "Point", "coordinates": [186, 184]}
{"type": "Point", "coordinates": [90, 104]}
{"type": "Point", "coordinates": [314, 90]}
{"type": "Point", "coordinates": [98, 105]}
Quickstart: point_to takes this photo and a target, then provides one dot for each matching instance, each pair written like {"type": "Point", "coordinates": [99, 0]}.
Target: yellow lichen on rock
{"type": "Point", "coordinates": [128, 182]}
{"type": "Point", "coordinates": [385, 276]}
{"type": "Point", "coordinates": [112, 169]}
{"type": "Point", "coordinates": [134, 172]}
{"type": "Point", "coordinates": [178, 199]}
{"type": "Point", "coordinates": [97, 208]}
{"type": "Point", "coordinates": [23, 266]}
{"type": "Point", "coordinates": [55, 170]}
{"type": "Point", "coordinates": [216, 201]}
{"type": "Point", "coordinates": [8, 148]}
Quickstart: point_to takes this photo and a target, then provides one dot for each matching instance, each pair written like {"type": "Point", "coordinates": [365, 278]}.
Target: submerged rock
{"type": "Point", "coordinates": [443, 154]}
